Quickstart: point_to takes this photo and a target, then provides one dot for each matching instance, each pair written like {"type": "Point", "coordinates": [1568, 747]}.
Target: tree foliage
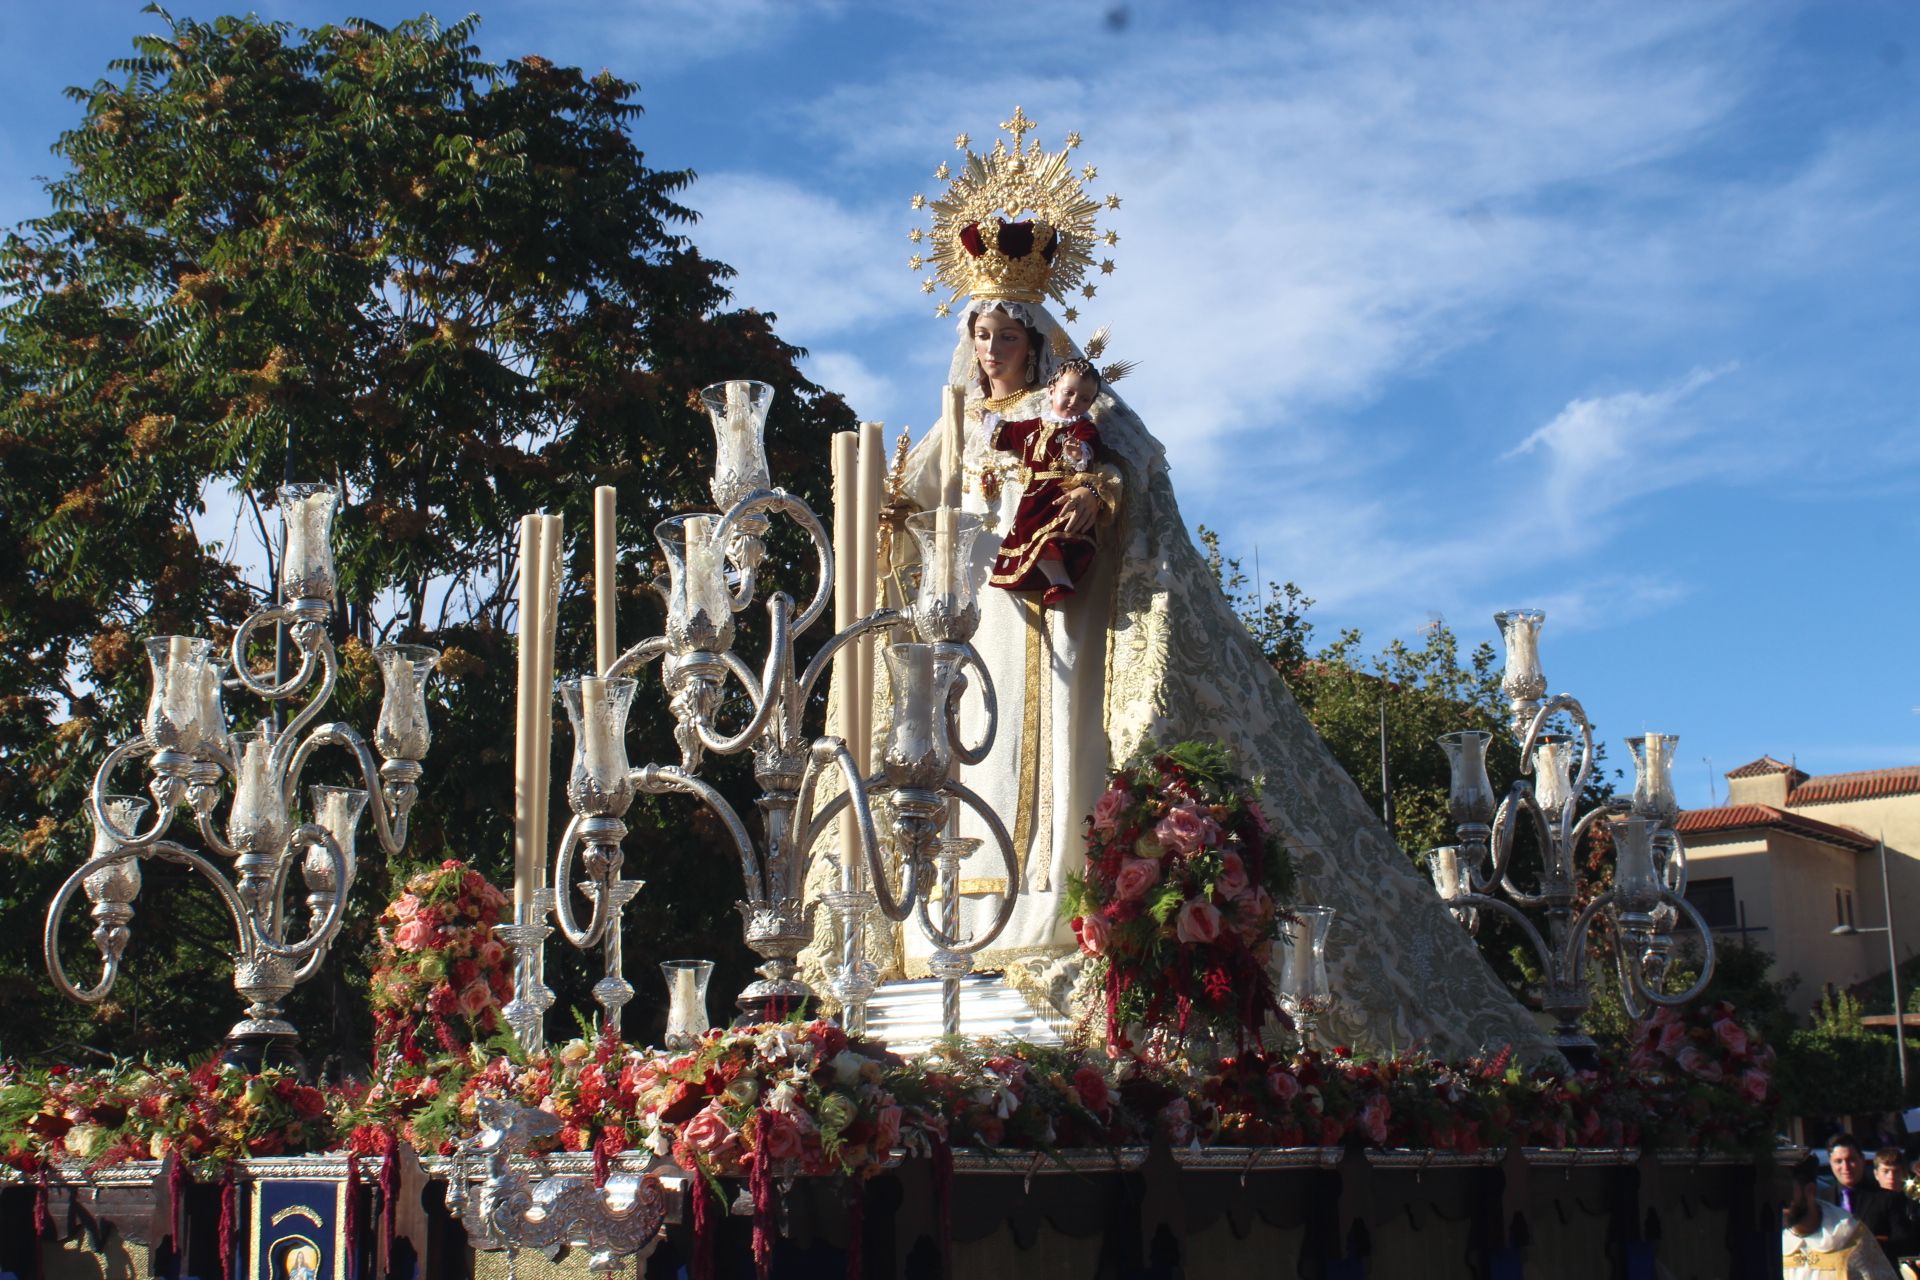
{"type": "Point", "coordinates": [365, 255]}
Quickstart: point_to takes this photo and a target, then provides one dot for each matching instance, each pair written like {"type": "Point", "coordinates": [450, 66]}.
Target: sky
{"type": "Point", "coordinates": [1611, 310]}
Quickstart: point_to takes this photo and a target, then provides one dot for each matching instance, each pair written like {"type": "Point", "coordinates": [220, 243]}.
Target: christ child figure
{"type": "Point", "coordinates": [1047, 550]}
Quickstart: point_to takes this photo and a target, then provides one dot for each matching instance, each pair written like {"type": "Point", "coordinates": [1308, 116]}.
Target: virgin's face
{"type": "Point", "coordinates": [1000, 344]}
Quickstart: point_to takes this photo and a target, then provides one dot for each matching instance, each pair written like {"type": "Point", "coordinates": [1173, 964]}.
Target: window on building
{"type": "Point", "coordinates": [1714, 900]}
{"type": "Point", "coordinates": [1842, 906]}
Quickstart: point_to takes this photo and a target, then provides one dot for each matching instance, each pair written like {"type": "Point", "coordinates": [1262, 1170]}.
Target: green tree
{"type": "Point", "coordinates": [363, 255]}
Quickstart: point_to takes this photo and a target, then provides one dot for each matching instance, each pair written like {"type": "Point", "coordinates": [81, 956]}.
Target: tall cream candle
{"type": "Point", "coordinates": [525, 855]}
{"type": "Point", "coordinates": [953, 444]}
{"type": "Point", "coordinates": [549, 560]}
{"type": "Point", "coordinates": [867, 502]}
{"type": "Point", "coordinates": [606, 645]}
{"type": "Point", "coordinates": [846, 690]}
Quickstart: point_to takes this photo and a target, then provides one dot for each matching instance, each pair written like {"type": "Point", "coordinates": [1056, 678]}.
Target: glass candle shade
{"type": "Point", "coordinates": [1553, 771]}
{"type": "Point", "coordinates": [117, 881]}
{"type": "Point", "coordinates": [1303, 959]}
{"type": "Point", "coordinates": [1470, 794]}
{"type": "Point", "coordinates": [739, 413]}
{"type": "Point", "coordinates": [597, 709]}
{"type": "Point", "coordinates": [944, 607]}
{"type": "Point", "coordinates": [1653, 797]}
{"type": "Point", "coordinates": [921, 676]}
{"type": "Point", "coordinates": [402, 733]}
{"type": "Point", "coordinates": [213, 709]}
{"type": "Point", "coordinates": [1635, 884]}
{"type": "Point", "coordinates": [339, 810]}
{"type": "Point", "coordinates": [257, 823]}
{"type": "Point", "coordinates": [1520, 629]}
{"type": "Point", "coordinates": [699, 606]}
{"type": "Point", "coordinates": [177, 704]}
{"type": "Point", "coordinates": [306, 563]}
{"type": "Point", "coordinates": [686, 1000]}
{"type": "Point", "coordinates": [1452, 875]}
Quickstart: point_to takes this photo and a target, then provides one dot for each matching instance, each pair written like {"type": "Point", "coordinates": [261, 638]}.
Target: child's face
{"type": "Point", "coordinates": [1072, 394]}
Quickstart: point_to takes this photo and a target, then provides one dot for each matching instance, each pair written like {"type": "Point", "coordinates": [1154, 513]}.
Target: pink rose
{"type": "Point", "coordinates": [1282, 1083]}
{"type": "Point", "coordinates": [1259, 817]}
{"type": "Point", "coordinates": [709, 1133]}
{"type": "Point", "coordinates": [1092, 932]}
{"type": "Point", "coordinates": [888, 1124]}
{"type": "Point", "coordinates": [1373, 1120]}
{"type": "Point", "coordinates": [1091, 1085]}
{"type": "Point", "coordinates": [415, 935]}
{"type": "Point", "coordinates": [1732, 1036]}
{"type": "Point", "coordinates": [1699, 1065]}
{"type": "Point", "coordinates": [491, 952]}
{"type": "Point", "coordinates": [1233, 875]}
{"type": "Point", "coordinates": [1667, 1037]}
{"type": "Point", "coordinates": [779, 1136]}
{"type": "Point", "coordinates": [1754, 1084]}
{"type": "Point", "coordinates": [1198, 921]}
{"type": "Point", "coordinates": [474, 997]}
{"type": "Point", "coordinates": [406, 908]}
{"type": "Point", "coordinates": [1107, 810]}
{"type": "Point", "coordinates": [1252, 913]}
{"type": "Point", "coordinates": [1137, 875]}
{"type": "Point", "coordinates": [1186, 829]}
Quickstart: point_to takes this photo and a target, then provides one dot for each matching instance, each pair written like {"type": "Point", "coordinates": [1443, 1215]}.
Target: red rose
{"type": "Point", "coordinates": [1233, 875]}
{"type": "Point", "coordinates": [888, 1136]}
{"type": "Point", "coordinates": [1373, 1120]}
{"type": "Point", "coordinates": [1091, 1084]}
{"type": "Point", "coordinates": [1282, 1082]}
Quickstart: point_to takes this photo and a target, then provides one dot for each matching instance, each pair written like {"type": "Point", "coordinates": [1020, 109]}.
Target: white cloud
{"type": "Point", "coordinates": [867, 392]}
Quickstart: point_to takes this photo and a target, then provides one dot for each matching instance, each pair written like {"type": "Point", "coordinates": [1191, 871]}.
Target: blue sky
{"type": "Point", "coordinates": [1607, 309]}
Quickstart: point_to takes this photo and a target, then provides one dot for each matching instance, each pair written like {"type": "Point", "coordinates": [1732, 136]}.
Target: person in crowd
{"type": "Point", "coordinates": [1857, 1193]}
{"type": "Point", "coordinates": [1819, 1239]}
{"type": "Point", "coordinates": [1890, 1173]}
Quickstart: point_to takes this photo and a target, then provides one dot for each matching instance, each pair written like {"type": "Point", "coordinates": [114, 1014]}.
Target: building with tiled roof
{"type": "Point", "coordinates": [1791, 855]}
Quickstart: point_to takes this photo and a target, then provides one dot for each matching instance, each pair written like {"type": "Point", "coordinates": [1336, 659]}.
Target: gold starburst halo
{"type": "Point", "coordinates": [1020, 186]}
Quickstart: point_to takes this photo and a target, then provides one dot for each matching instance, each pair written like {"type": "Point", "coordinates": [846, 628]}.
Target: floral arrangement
{"type": "Point", "coordinates": [1708, 1078]}
{"type": "Point", "coordinates": [979, 1093]}
{"type": "Point", "coordinates": [210, 1115]}
{"type": "Point", "coordinates": [818, 1103]}
{"type": "Point", "coordinates": [1178, 908]}
{"type": "Point", "coordinates": [440, 976]}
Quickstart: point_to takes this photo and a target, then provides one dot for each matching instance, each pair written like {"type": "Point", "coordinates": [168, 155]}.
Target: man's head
{"type": "Point", "coordinates": [1802, 1213]}
{"type": "Point", "coordinates": [1890, 1168]}
{"type": "Point", "coordinates": [1848, 1161]}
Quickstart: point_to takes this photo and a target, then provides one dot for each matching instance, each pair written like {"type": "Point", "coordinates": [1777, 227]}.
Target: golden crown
{"type": "Point", "coordinates": [1014, 224]}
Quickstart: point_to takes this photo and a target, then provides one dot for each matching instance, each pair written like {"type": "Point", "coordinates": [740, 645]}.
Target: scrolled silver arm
{"type": "Point", "coordinates": [658, 779]}
{"type": "Point", "coordinates": [563, 894]}
{"type": "Point", "coordinates": [392, 830]}
{"type": "Point", "coordinates": [878, 620]}
{"type": "Point", "coordinates": [972, 755]}
{"type": "Point", "coordinates": [779, 500]}
{"type": "Point", "coordinates": [1511, 912]}
{"type": "Point", "coordinates": [97, 807]}
{"type": "Point", "coordinates": [242, 673]}
{"type": "Point", "coordinates": [310, 833]}
{"type": "Point", "coordinates": [639, 656]}
{"type": "Point", "coordinates": [170, 851]}
{"type": "Point", "coordinates": [779, 653]}
{"type": "Point", "coordinates": [829, 753]}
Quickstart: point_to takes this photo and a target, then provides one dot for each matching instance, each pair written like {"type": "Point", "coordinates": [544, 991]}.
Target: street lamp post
{"type": "Point", "coordinates": [1893, 967]}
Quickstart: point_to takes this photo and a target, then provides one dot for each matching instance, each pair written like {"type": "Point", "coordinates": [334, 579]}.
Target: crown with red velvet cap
{"type": "Point", "coordinates": [1014, 224]}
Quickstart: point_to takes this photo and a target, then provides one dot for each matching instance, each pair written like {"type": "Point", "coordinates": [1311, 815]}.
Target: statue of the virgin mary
{"type": "Point", "coordinates": [1147, 650]}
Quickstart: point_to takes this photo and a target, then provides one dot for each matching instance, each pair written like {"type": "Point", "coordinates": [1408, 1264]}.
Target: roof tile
{"type": "Point", "coordinates": [1864, 784]}
{"type": "Point", "coordinates": [1735, 817]}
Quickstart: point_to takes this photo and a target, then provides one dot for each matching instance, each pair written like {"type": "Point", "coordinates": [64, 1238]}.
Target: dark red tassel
{"type": "Point", "coordinates": [1113, 1007]}
{"type": "Point", "coordinates": [353, 1217]}
{"type": "Point", "coordinates": [178, 1180]}
{"type": "Point", "coordinates": [601, 1161]}
{"type": "Point", "coordinates": [856, 1229]}
{"type": "Point", "coordinates": [943, 1201]}
{"type": "Point", "coordinates": [760, 1186]}
{"type": "Point", "coordinates": [43, 1206]}
{"type": "Point", "coordinates": [389, 1197]}
{"type": "Point", "coordinates": [705, 1229]}
{"type": "Point", "coordinates": [230, 1223]}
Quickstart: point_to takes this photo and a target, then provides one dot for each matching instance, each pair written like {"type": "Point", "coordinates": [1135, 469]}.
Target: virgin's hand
{"type": "Point", "coordinates": [894, 514]}
{"type": "Point", "coordinates": [1081, 506]}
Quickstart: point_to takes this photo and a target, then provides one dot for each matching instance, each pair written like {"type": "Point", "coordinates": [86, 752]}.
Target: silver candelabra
{"type": "Point", "coordinates": [1648, 896]}
{"type": "Point", "coordinates": [189, 750]}
{"type": "Point", "coordinates": [713, 563]}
